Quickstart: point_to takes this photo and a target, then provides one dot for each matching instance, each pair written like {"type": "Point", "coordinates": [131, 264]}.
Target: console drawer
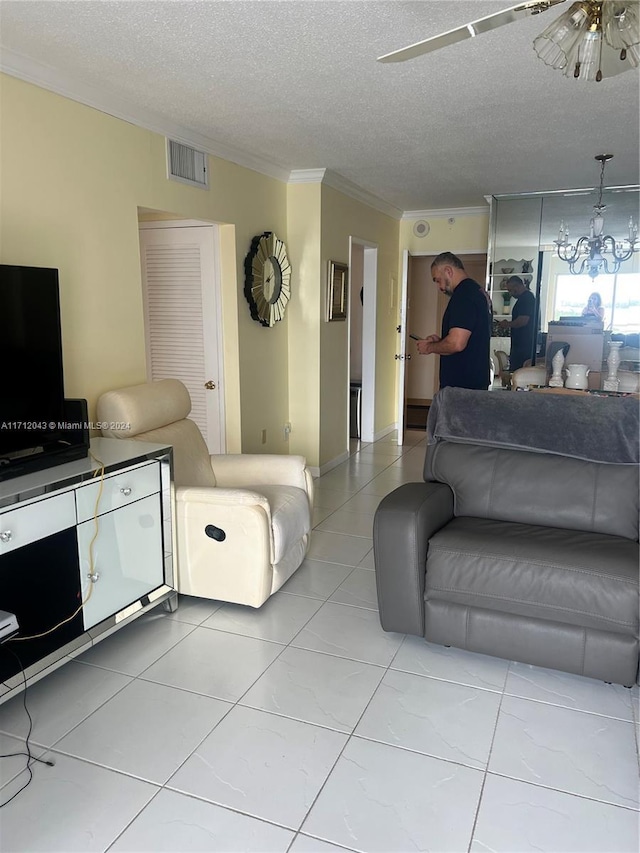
{"type": "Point", "coordinates": [118, 490]}
{"type": "Point", "coordinates": [19, 527]}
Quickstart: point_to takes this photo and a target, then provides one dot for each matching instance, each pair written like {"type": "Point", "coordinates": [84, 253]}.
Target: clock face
{"type": "Point", "coordinates": [271, 280]}
{"type": "Point", "coordinates": [267, 278]}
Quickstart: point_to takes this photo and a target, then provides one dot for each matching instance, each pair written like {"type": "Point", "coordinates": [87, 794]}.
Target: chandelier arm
{"type": "Point", "coordinates": [577, 250]}
{"type": "Point", "coordinates": [622, 255]}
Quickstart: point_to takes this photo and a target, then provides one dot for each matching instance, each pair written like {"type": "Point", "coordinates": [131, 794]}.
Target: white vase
{"type": "Point", "coordinates": [577, 377]}
{"type": "Point", "coordinates": [557, 362]}
{"type": "Point", "coordinates": [611, 383]}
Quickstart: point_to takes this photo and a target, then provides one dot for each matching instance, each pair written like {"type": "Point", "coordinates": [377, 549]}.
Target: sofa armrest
{"type": "Point", "coordinates": [239, 470]}
{"type": "Point", "coordinates": [403, 524]}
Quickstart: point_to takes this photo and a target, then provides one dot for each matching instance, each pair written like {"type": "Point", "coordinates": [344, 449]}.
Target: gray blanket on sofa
{"type": "Point", "coordinates": [597, 429]}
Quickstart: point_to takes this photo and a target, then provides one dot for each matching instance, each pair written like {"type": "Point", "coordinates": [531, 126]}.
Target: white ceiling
{"type": "Point", "coordinates": [296, 84]}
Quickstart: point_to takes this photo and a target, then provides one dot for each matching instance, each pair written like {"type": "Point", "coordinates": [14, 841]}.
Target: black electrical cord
{"type": "Point", "coordinates": [30, 758]}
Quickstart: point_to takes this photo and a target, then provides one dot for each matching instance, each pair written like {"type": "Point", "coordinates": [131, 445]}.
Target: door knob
{"type": "Point", "coordinates": [408, 357]}
{"type": "Point", "coordinates": [398, 357]}
{"type": "Point", "coordinates": [210, 385]}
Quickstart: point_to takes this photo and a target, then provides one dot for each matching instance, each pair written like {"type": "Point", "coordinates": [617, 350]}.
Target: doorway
{"type": "Point", "coordinates": [424, 312]}
{"type": "Point", "coordinates": [369, 266]}
{"type": "Point", "coordinates": [180, 263]}
{"type": "Point", "coordinates": [356, 312]}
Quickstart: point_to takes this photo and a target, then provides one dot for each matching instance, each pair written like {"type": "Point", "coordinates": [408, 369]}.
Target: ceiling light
{"type": "Point", "coordinates": [589, 32]}
{"type": "Point", "coordinates": [596, 252]}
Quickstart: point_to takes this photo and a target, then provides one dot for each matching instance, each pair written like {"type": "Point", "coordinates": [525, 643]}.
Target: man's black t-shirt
{"type": "Point", "coordinates": [467, 309]}
{"type": "Point", "coordinates": [522, 337]}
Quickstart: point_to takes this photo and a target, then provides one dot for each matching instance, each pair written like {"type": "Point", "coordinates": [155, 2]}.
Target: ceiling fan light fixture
{"type": "Point", "coordinates": [585, 59]}
{"type": "Point", "coordinates": [559, 40]}
{"type": "Point", "coordinates": [592, 40]}
{"type": "Point", "coordinates": [621, 24]}
{"type": "Point", "coordinates": [632, 55]}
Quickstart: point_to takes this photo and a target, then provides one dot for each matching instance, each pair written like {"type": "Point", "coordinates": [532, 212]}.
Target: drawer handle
{"type": "Point", "coordinates": [126, 491]}
{"type": "Point", "coordinates": [6, 536]}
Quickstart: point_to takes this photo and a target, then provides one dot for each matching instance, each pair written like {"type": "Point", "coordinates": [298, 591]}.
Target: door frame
{"type": "Point", "coordinates": [212, 304]}
{"type": "Point", "coordinates": [401, 382]}
{"type": "Point", "coordinates": [404, 292]}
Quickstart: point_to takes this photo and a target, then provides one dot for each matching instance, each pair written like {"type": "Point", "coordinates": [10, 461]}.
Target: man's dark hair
{"type": "Point", "coordinates": [447, 259]}
{"type": "Point", "coordinates": [515, 279]}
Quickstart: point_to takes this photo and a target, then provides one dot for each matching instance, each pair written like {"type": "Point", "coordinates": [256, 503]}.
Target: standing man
{"type": "Point", "coordinates": [522, 323]}
{"type": "Point", "coordinates": [466, 327]}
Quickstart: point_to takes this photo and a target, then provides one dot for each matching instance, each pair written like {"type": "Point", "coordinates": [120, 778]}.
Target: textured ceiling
{"type": "Point", "coordinates": [297, 83]}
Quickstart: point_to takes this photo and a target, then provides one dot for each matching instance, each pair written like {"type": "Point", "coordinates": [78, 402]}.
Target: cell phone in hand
{"type": "Point", "coordinates": [416, 337]}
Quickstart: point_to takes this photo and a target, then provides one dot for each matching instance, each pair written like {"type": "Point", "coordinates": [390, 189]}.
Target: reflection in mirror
{"type": "Point", "coordinates": [587, 309]}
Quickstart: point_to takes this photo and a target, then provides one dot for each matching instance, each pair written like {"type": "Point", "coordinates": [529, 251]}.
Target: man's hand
{"type": "Point", "coordinates": [424, 346]}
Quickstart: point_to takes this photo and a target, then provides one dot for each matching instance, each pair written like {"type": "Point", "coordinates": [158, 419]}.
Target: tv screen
{"type": "Point", "coordinates": [32, 386]}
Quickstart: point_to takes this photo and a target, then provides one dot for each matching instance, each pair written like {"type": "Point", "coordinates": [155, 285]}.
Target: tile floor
{"type": "Point", "coordinates": [304, 727]}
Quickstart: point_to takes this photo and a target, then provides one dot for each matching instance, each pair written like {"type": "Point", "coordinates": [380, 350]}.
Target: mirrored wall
{"type": "Point", "coordinates": [521, 242]}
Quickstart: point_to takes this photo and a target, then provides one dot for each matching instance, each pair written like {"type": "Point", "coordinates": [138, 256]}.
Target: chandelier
{"type": "Point", "coordinates": [589, 32]}
{"type": "Point", "coordinates": [596, 252]}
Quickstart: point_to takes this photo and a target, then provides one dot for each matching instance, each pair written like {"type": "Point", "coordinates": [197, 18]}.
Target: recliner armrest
{"type": "Point", "coordinates": [236, 470]}
{"type": "Point", "coordinates": [403, 524]}
{"type": "Point", "coordinates": [243, 515]}
{"type": "Point", "coordinates": [217, 496]}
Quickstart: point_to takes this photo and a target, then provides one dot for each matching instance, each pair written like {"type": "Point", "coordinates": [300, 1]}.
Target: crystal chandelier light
{"type": "Point", "coordinates": [592, 34]}
{"type": "Point", "coordinates": [596, 252]}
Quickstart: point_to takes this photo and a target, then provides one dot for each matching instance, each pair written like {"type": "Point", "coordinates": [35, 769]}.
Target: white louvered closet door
{"type": "Point", "coordinates": [182, 321]}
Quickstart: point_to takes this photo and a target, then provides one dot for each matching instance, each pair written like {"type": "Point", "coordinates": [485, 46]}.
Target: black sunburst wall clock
{"type": "Point", "coordinates": [267, 284]}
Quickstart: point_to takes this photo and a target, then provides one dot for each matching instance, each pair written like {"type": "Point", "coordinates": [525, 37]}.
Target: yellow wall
{"type": "Point", "coordinates": [469, 233]}
{"type": "Point", "coordinates": [343, 217]}
{"type": "Point", "coordinates": [72, 180]}
{"type": "Point", "coordinates": [303, 227]}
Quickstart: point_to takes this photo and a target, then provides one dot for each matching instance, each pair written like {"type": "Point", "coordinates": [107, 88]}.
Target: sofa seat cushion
{"type": "Point", "coordinates": [570, 576]}
{"type": "Point", "coordinates": [290, 516]}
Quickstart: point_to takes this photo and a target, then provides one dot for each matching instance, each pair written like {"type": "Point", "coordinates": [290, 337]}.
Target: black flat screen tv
{"type": "Point", "coordinates": [32, 404]}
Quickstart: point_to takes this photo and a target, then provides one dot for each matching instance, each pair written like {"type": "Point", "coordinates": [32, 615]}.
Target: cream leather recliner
{"type": "Point", "coordinates": [243, 521]}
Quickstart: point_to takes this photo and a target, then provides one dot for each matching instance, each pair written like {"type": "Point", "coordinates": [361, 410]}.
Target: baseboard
{"type": "Point", "coordinates": [384, 432]}
{"type": "Point", "coordinates": [328, 466]}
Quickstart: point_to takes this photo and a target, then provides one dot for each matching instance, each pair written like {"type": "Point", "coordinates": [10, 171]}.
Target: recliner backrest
{"type": "Point", "coordinates": [157, 412]}
{"type": "Point", "coordinates": [537, 488]}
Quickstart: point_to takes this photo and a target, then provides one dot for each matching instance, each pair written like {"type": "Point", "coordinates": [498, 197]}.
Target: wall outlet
{"type": "Point", "coordinates": [287, 431]}
{"type": "Point", "coordinates": [264, 436]}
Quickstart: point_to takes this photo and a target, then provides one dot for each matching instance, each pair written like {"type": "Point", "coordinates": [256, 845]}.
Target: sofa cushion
{"type": "Point", "coordinates": [571, 576]}
{"type": "Point", "coordinates": [537, 488]}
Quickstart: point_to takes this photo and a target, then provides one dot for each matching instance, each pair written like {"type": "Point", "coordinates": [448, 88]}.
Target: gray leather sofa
{"type": "Point", "coordinates": [513, 547]}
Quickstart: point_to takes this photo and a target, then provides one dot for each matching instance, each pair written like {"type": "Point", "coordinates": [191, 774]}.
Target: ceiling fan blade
{"type": "Point", "coordinates": [473, 28]}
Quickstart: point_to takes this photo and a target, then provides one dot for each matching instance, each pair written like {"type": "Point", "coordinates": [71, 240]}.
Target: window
{"type": "Point", "coordinates": [620, 295]}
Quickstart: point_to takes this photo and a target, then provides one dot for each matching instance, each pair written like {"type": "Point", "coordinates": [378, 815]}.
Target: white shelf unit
{"type": "Point", "coordinates": [524, 268]}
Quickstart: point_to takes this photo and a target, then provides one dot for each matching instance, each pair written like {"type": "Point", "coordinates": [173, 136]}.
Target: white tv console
{"type": "Point", "coordinates": [85, 551]}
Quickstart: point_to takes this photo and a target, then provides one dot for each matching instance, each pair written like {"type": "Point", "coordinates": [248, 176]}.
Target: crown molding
{"type": "Point", "coordinates": [24, 68]}
{"type": "Point", "coordinates": [306, 176]}
{"type": "Point", "coordinates": [344, 186]}
{"type": "Point", "coordinates": [347, 187]}
{"type": "Point", "coordinates": [445, 212]}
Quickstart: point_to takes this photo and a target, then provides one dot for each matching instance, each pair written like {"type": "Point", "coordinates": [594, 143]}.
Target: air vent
{"type": "Point", "coordinates": [186, 164]}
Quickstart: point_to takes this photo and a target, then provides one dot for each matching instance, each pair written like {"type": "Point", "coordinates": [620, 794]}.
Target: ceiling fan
{"type": "Point", "coordinates": [593, 39]}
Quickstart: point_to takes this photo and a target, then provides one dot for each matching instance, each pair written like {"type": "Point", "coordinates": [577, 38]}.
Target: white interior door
{"type": "Point", "coordinates": [402, 346]}
{"type": "Point", "coordinates": [182, 317]}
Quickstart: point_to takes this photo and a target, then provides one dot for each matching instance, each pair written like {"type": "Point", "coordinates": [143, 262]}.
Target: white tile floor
{"type": "Point", "coordinates": [303, 727]}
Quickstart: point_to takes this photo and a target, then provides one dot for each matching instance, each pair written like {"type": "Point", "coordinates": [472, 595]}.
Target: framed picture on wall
{"type": "Point", "coordinates": [337, 291]}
